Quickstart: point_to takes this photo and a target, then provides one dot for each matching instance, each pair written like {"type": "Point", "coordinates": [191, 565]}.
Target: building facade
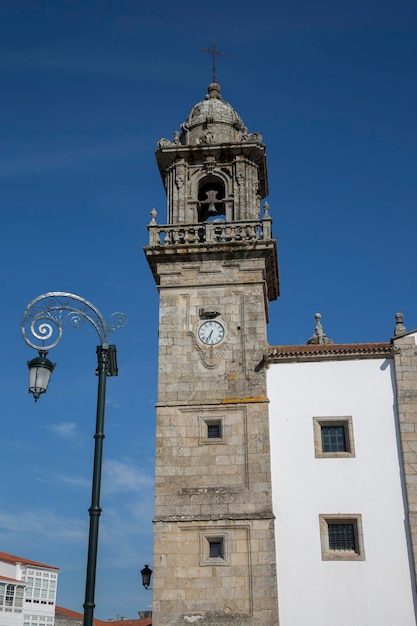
{"type": "Point", "coordinates": [343, 485]}
{"type": "Point", "coordinates": [27, 592]}
{"type": "Point", "coordinates": [285, 476]}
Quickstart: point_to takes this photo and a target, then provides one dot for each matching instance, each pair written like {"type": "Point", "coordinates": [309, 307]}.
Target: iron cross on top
{"type": "Point", "coordinates": [213, 53]}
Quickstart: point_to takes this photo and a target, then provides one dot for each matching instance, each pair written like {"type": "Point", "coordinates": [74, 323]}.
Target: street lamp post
{"type": "Point", "coordinates": [42, 325]}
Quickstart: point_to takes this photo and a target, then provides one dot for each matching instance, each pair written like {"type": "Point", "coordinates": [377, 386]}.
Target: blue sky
{"type": "Point", "coordinates": [87, 90]}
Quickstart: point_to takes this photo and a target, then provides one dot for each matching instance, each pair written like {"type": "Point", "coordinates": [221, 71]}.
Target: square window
{"type": "Point", "coordinates": [214, 430]}
{"type": "Point", "coordinates": [211, 430]}
{"type": "Point", "coordinates": [216, 549]}
{"type": "Point", "coordinates": [333, 437]}
{"type": "Point", "coordinates": [341, 538]}
{"type": "Point", "coordinates": [213, 549]}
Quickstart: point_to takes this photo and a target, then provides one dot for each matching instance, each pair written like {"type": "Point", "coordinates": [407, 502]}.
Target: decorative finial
{"type": "Point", "coordinates": [153, 217]}
{"type": "Point", "coordinates": [399, 329]}
{"type": "Point", "coordinates": [214, 91]}
{"type": "Point", "coordinates": [319, 336]}
{"type": "Point", "coordinates": [213, 53]}
{"type": "Point", "coordinates": [266, 210]}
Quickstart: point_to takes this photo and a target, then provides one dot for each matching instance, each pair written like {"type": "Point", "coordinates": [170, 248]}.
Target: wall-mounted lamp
{"type": "Point", "coordinates": [146, 574]}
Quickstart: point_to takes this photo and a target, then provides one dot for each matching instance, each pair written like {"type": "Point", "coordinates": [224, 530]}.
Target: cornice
{"type": "Point", "coordinates": [221, 251]}
{"type": "Point", "coordinates": [261, 515]}
{"type": "Point", "coordinates": [329, 352]}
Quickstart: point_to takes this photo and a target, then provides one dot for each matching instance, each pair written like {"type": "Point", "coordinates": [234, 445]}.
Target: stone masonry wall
{"type": "Point", "coordinates": [405, 359]}
{"type": "Point", "coordinates": [213, 488]}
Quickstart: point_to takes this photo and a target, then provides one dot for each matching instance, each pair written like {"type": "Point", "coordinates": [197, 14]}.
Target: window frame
{"type": "Point", "coordinates": [12, 597]}
{"type": "Point", "coordinates": [332, 554]}
{"type": "Point", "coordinates": [206, 539]}
{"type": "Point", "coordinates": [334, 421]}
{"type": "Point", "coordinates": [204, 423]}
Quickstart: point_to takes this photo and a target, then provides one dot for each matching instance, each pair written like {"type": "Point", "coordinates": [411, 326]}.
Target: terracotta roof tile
{"type": "Point", "coordinates": [11, 558]}
{"type": "Point", "coordinates": [60, 610]}
{"type": "Point", "coordinates": [147, 621]}
{"type": "Point", "coordinates": [333, 351]}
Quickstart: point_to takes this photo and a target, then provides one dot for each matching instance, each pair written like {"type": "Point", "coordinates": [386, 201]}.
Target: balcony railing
{"type": "Point", "coordinates": [209, 232]}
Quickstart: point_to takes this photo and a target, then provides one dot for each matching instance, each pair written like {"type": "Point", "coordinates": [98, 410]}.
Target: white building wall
{"type": "Point", "coordinates": [39, 599]}
{"type": "Point", "coordinates": [9, 570]}
{"type": "Point", "coordinates": [11, 619]}
{"type": "Point", "coordinates": [377, 590]}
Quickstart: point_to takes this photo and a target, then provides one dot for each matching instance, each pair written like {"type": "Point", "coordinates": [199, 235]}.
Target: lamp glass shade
{"type": "Point", "coordinates": [146, 574]}
{"type": "Point", "coordinates": [40, 370]}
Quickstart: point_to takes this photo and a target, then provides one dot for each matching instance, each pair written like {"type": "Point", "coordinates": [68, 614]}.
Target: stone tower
{"type": "Point", "coordinates": [215, 265]}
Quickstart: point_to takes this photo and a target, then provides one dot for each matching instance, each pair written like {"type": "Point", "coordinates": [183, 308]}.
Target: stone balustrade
{"type": "Point", "coordinates": [209, 232]}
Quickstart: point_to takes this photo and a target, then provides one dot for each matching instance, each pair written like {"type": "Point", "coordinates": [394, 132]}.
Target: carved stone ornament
{"type": "Point", "coordinates": [319, 336]}
{"type": "Point", "coordinates": [208, 315]}
{"type": "Point", "coordinates": [257, 137]}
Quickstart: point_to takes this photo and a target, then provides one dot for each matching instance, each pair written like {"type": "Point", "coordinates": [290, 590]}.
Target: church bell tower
{"type": "Point", "coordinates": [215, 266]}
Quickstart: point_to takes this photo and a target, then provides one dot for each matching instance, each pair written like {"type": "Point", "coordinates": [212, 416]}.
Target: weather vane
{"type": "Point", "coordinates": [213, 53]}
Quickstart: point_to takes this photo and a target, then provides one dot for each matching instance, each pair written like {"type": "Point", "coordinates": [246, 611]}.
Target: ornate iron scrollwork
{"type": "Point", "coordinates": [45, 317]}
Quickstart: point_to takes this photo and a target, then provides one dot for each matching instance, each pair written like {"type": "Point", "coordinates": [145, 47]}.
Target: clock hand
{"type": "Point", "coordinates": [210, 334]}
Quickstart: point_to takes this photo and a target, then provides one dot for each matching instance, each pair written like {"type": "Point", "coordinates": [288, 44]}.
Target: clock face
{"type": "Point", "coordinates": [211, 332]}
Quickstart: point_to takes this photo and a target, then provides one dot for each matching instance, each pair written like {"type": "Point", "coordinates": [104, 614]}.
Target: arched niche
{"type": "Point", "coordinates": [211, 198]}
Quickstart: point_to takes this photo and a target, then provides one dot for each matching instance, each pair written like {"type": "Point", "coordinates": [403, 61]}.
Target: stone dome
{"type": "Point", "coordinates": [212, 121]}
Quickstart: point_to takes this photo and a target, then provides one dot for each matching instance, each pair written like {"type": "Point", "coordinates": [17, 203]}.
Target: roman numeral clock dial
{"type": "Point", "coordinates": [211, 332]}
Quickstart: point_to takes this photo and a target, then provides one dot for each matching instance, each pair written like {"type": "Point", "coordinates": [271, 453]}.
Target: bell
{"type": "Point", "coordinates": [212, 211]}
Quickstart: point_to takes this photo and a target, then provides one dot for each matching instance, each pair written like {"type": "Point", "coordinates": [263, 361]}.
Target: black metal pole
{"type": "Point", "coordinates": [95, 510]}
